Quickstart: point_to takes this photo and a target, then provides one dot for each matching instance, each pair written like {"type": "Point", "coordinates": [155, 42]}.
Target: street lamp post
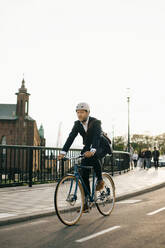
{"type": "Point", "coordinates": [113, 133]}
{"type": "Point", "coordinates": [113, 139]}
{"type": "Point", "coordinates": [128, 101]}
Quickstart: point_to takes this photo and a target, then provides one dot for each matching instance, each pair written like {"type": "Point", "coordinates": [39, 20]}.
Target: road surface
{"type": "Point", "coordinates": [137, 222]}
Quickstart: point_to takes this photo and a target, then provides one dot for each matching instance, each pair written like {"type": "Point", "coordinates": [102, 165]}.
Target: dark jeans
{"type": "Point", "coordinates": [97, 165]}
{"type": "Point", "coordinates": [156, 163]}
{"type": "Point", "coordinates": [147, 162]}
{"type": "Point", "coordinates": [144, 164]}
{"type": "Point", "coordinates": [135, 162]}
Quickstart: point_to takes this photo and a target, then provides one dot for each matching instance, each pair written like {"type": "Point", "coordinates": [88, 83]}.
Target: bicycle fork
{"type": "Point", "coordinates": [72, 197]}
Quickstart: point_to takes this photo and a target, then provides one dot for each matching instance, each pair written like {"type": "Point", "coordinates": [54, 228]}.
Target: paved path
{"type": "Point", "coordinates": [22, 203]}
{"type": "Point", "coordinates": [137, 222]}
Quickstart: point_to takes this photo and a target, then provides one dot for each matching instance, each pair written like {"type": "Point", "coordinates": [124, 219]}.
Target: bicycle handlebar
{"type": "Point", "coordinates": [76, 157]}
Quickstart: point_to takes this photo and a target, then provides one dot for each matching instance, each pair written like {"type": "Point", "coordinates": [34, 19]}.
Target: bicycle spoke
{"type": "Point", "coordinates": [105, 199]}
{"type": "Point", "coordinates": [69, 200]}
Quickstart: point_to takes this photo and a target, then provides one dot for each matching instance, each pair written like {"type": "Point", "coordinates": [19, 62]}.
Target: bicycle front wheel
{"type": "Point", "coordinates": [105, 199]}
{"type": "Point", "coordinates": [69, 200]}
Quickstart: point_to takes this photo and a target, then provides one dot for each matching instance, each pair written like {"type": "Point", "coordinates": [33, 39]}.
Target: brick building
{"type": "Point", "coordinates": [16, 126]}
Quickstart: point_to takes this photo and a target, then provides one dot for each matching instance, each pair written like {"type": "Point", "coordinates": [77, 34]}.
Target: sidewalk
{"type": "Point", "coordinates": [24, 203]}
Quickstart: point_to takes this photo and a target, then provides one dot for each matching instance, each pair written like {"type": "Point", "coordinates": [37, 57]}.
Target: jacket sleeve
{"type": "Point", "coordinates": [70, 138]}
{"type": "Point", "coordinates": [96, 134]}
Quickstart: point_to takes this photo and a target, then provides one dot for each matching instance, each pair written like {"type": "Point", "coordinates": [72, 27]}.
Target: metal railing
{"type": "Point", "coordinates": [21, 165]}
{"type": "Point", "coordinates": [117, 163]}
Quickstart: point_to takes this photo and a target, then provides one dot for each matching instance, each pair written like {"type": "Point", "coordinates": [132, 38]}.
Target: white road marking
{"type": "Point", "coordinates": [97, 234]}
{"type": "Point", "coordinates": [23, 225]}
{"type": "Point", "coordinates": [4, 215]}
{"type": "Point", "coordinates": [128, 201]}
{"type": "Point", "coordinates": [156, 211]}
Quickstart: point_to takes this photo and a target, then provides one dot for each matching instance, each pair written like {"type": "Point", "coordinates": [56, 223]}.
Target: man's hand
{"type": "Point", "coordinates": [60, 156]}
{"type": "Point", "coordinates": [88, 154]}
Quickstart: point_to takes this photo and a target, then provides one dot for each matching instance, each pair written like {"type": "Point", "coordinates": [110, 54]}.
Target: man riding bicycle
{"type": "Point", "coordinates": [96, 145]}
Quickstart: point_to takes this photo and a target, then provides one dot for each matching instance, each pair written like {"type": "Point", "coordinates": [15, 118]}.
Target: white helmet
{"type": "Point", "coordinates": [83, 106]}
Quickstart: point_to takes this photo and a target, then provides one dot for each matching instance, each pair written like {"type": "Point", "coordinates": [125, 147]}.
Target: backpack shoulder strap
{"type": "Point", "coordinates": [103, 133]}
{"type": "Point", "coordinates": [106, 136]}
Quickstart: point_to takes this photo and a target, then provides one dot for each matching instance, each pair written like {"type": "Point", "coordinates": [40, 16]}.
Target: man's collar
{"type": "Point", "coordinates": [86, 123]}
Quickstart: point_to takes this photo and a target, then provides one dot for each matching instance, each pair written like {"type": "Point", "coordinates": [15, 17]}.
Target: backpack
{"type": "Point", "coordinates": [106, 136]}
{"type": "Point", "coordinates": [107, 141]}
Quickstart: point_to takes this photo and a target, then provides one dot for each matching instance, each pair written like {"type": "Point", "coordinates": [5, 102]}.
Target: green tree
{"type": "Point", "coordinates": [141, 141]}
{"type": "Point", "coordinates": [119, 143]}
{"type": "Point", "coordinates": [159, 141]}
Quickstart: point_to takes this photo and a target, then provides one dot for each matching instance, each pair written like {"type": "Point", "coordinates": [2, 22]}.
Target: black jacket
{"type": "Point", "coordinates": [155, 154]}
{"type": "Point", "coordinates": [141, 154]}
{"type": "Point", "coordinates": [147, 154]}
{"type": "Point", "coordinates": [93, 138]}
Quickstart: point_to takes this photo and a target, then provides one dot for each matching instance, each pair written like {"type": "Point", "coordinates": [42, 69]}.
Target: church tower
{"type": "Point", "coordinates": [22, 109]}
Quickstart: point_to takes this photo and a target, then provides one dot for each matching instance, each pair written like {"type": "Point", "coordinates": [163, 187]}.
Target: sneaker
{"type": "Point", "coordinates": [100, 185]}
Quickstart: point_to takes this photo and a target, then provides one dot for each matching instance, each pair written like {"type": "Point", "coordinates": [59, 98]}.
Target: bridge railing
{"type": "Point", "coordinates": [30, 165]}
{"type": "Point", "coordinates": [117, 163]}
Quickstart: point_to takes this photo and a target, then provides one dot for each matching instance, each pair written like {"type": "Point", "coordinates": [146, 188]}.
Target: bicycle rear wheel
{"type": "Point", "coordinates": [68, 200]}
{"type": "Point", "coordinates": [105, 199]}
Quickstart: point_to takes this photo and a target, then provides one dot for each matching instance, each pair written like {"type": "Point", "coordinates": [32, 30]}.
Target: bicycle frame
{"type": "Point", "coordinates": [79, 177]}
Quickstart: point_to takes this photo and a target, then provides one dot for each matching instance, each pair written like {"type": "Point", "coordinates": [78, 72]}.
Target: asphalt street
{"type": "Point", "coordinates": [136, 222]}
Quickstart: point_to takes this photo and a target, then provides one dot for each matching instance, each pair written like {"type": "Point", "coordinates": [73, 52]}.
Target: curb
{"type": "Point", "coordinates": [140, 192]}
{"type": "Point", "coordinates": [51, 213]}
{"type": "Point", "coordinates": [26, 218]}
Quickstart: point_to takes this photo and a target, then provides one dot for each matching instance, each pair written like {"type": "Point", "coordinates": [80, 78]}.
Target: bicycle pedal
{"type": "Point", "coordinates": [86, 211]}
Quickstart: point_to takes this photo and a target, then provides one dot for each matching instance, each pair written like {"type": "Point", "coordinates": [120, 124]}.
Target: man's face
{"type": "Point", "coordinates": [82, 115]}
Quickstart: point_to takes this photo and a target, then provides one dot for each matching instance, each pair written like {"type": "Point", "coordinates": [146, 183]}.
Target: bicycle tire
{"type": "Point", "coordinates": [69, 209]}
{"type": "Point", "coordinates": [105, 199]}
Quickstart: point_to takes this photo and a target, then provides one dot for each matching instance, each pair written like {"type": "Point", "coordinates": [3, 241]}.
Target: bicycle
{"type": "Point", "coordinates": [69, 197]}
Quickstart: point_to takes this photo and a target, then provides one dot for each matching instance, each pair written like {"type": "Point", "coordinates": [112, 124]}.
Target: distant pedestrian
{"type": "Point", "coordinates": [155, 155]}
{"type": "Point", "coordinates": [140, 159]}
{"type": "Point", "coordinates": [135, 158]}
{"type": "Point", "coordinates": [131, 157]}
{"type": "Point", "coordinates": [147, 158]}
